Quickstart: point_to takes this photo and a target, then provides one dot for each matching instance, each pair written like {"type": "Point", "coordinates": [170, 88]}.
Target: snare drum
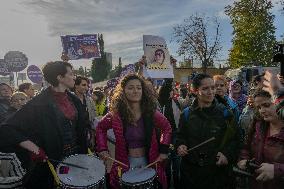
{"type": "Point", "coordinates": [78, 178]}
{"type": "Point", "coordinates": [138, 179]}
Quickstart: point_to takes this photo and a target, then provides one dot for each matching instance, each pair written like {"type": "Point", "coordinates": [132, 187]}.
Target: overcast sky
{"type": "Point", "coordinates": [35, 26]}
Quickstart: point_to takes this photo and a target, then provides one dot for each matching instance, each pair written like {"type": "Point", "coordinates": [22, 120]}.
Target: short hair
{"type": "Point", "coordinates": [220, 77]}
{"type": "Point", "coordinates": [24, 86]}
{"type": "Point", "coordinates": [257, 78]}
{"type": "Point", "coordinates": [261, 93]}
{"type": "Point", "coordinates": [79, 79]}
{"type": "Point", "coordinates": [53, 69]}
{"type": "Point", "coordinates": [196, 82]}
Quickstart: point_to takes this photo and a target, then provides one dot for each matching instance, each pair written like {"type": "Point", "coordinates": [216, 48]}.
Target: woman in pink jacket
{"type": "Point", "coordinates": [142, 133]}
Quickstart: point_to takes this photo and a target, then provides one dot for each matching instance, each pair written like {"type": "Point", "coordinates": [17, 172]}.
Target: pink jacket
{"type": "Point", "coordinates": [121, 152]}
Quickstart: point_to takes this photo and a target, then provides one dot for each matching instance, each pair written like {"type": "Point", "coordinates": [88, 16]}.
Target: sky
{"type": "Point", "coordinates": [34, 27]}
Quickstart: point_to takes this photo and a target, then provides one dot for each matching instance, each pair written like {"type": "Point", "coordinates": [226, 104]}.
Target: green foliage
{"type": "Point", "coordinates": [253, 33]}
{"type": "Point", "coordinates": [116, 71]}
{"type": "Point", "coordinates": [100, 67]}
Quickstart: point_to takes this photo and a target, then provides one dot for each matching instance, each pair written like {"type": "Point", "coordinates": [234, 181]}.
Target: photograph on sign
{"type": "Point", "coordinates": [16, 61]}
{"type": "Point", "coordinates": [80, 46]}
{"type": "Point", "coordinates": [157, 57]}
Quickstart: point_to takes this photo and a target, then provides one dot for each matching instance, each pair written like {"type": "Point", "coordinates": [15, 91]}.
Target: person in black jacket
{"type": "Point", "coordinates": [51, 125]}
{"type": "Point", "coordinates": [170, 107]}
{"type": "Point", "coordinates": [208, 166]}
{"type": "Point", "coordinates": [18, 99]}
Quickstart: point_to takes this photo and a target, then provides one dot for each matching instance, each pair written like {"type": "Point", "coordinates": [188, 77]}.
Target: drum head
{"type": "Point", "coordinates": [138, 175]}
{"type": "Point", "coordinates": [82, 177]}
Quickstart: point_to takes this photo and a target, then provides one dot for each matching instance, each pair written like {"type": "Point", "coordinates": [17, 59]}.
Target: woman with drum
{"type": "Point", "coordinates": [209, 165]}
{"type": "Point", "coordinates": [143, 134]}
{"type": "Point", "coordinates": [50, 126]}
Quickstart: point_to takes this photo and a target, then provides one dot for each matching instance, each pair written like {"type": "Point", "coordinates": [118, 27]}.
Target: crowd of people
{"type": "Point", "coordinates": [209, 133]}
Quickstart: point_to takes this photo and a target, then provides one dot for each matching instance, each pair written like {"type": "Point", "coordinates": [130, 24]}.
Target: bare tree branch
{"type": "Point", "coordinates": [194, 40]}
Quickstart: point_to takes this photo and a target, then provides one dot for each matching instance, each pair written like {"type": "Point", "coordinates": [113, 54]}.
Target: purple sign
{"type": "Point", "coordinates": [34, 74]}
{"type": "Point", "coordinates": [3, 68]}
{"type": "Point", "coordinates": [80, 46]}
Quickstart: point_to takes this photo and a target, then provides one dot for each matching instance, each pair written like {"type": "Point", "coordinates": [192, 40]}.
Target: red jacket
{"type": "Point", "coordinates": [121, 152]}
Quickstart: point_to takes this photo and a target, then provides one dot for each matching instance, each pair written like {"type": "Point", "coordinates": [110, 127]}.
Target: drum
{"type": "Point", "coordinates": [138, 179]}
{"type": "Point", "coordinates": [78, 178]}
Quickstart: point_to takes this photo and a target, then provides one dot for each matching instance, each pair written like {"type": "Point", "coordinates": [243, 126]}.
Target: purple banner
{"type": "Point", "coordinates": [81, 46]}
{"type": "Point", "coordinates": [34, 74]}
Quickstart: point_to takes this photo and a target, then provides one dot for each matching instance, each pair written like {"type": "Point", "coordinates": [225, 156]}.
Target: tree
{"type": "Point", "coordinates": [100, 67]}
{"type": "Point", "coordinates": [117, 70]}
{"type": "Point", "coordinates": [253, 32]}
{"type": "Point", "coordinates": [194, 39]}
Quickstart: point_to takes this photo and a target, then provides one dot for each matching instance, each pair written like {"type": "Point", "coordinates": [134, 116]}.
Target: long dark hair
{"type": "Point", "coordinates": [164, 92]}
{"type": "Point", "coordinates": [257, 118]}
{"type": "Point", "coordinates": [120, 105]}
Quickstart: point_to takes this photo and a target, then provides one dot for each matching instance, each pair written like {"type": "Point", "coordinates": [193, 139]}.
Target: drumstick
{"type": "Point", "coordinates": [119, 162]}
{"type": "Point", "coordinates": [153, 163]}
{"type": "Point", "coordinates": [69, 164]}
{"type": "Point", "coordinates": [202, 143]}
{"type": "Point", "coordinates": [55, 176]}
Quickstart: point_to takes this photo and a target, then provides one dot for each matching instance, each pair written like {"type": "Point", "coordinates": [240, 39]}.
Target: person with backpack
{"type": "Point", "coordinates": [208, 166]}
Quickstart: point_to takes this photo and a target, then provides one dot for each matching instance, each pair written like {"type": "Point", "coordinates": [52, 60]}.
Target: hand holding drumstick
{"type": "Point", "coordinates": [182, 149]}
{"type": "Point", "coordinates": [104, 155]}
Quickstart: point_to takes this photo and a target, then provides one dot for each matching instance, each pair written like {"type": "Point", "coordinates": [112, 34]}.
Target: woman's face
{"type": "Point", "coordinates": [133, 90]}
{"type": "Point", "coordinates": [68, 79]}
{"type": "Point", "coordinates": [18, 100]}
{"type": "Point", "coordinates": [221, 88]}
{"type": "Point", "coordinates": [206, 91]}
{"type": "Point", "coordinates": [266, 108]}
{"type": "Point", "coordinates": [236, 88]}
{"type": "Point", "coordinates": [94, 97]}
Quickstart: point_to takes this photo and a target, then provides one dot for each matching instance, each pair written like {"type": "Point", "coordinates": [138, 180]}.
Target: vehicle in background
{"type": "Point", "coordinates": [247, 73]}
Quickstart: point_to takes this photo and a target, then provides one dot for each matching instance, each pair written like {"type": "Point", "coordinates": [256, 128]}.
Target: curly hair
{"type": "Point", "coordinates": [120, 105]}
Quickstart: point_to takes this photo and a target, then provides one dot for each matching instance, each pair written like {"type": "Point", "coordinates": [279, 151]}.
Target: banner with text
{"type": "Point", "coordinates": [81, 46]}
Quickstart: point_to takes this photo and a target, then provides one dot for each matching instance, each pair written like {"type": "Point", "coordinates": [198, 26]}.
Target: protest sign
{"type": "Point", "coordinates": [34, 74]}
{"type": "Point", "coordinates": [16, 61]}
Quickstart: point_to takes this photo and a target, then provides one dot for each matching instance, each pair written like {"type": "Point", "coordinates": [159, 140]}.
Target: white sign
{"type": "Point", "coordinates": [157, 57]}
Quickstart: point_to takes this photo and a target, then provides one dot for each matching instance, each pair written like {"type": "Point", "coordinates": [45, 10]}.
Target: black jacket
{"type": "Point", "coordinates": [40, 121]}
{"type": "Point", "coordinates": [200, 165]}
{"type": "Point", "coordinates": [4, 107]}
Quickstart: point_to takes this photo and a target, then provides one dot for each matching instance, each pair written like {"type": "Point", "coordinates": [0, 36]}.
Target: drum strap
{"type": "Point", "coordinates": [55, 176]}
